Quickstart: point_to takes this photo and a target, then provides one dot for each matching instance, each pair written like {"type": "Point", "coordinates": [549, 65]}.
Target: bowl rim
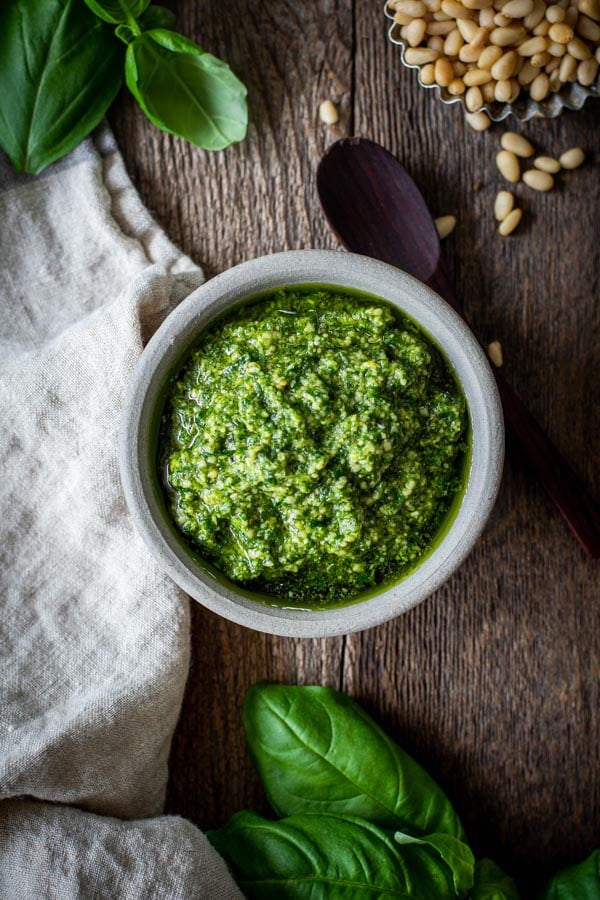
{"type": "Point", "coordinates": [288, 269]}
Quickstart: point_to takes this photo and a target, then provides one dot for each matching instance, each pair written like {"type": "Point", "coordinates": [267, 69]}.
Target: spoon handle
{"type": "Point", "coordinates": [569, 494]}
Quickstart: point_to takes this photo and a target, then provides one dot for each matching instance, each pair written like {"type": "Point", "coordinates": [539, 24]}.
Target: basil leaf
{"type": "Point", "coordinates": [116, 11]}
{"type": "Point", "coordinates": [316, 750]}
{"type": "Point", "coordinates": [314, 856]}
{"type": "Point", "coordinates": [491, 883]}
{"type": "Point", "coordinates": [580, 882]}
{"type": "Point", "coordinates": [454, 853]}
{"type": "Point", "coordinates": [185, 91]}
{"type": "Point", "coordinates": [60, 69]}
{"type": "Point", "coordinates": [154, 17]}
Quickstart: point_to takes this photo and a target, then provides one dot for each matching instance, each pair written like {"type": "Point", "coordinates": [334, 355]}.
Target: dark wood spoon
{"type": "Point", "coordinates": [375, 208]}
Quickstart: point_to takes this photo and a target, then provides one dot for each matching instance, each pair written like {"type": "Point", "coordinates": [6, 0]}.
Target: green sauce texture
{"type": "Point", "coordinates": [312, 445]}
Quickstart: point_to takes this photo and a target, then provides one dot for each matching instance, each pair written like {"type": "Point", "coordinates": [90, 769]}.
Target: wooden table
{"type": "Point", "coordinates": [492, 683]}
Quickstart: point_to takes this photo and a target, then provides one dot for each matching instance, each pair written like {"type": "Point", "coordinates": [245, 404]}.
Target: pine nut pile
{"type": "Point", "coordinates": [491, 50]}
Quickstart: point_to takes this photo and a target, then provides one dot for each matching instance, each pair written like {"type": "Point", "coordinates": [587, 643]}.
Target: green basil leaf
{"type": "Point", "coordinates": [454, 853]}
{"type": "Point", "coordinates": [185, 91]}
{"type": "Point", "coordinates": [491, 883]}
{"type": "Point", "coordinates": [324, 856]}
{"type": "Point", "coordinates": [580, 882]}
{"type": "Point", "coordinates": [316, 750]}
{"type": "Point", "coordinates": [117, 11]}
{"type": "Point", "coordinates": [60, 69]}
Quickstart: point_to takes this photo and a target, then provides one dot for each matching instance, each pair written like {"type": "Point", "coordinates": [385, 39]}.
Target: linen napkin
{"type": "Point", "coordinates": [94, 638]}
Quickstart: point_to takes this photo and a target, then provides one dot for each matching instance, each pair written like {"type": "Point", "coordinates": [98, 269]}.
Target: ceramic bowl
{"type": "Point", "coordinates": [163, 356]}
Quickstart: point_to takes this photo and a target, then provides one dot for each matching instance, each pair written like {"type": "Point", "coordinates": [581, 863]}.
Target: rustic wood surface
{"type": "Point", "coordinates": [493, 682]}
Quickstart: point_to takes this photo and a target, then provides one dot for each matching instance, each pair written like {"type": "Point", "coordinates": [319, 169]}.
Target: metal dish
{"type": "Point", "coordinates": [572, 96]}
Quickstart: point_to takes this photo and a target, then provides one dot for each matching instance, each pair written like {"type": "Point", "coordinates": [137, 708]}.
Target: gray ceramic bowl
{"type": "Point", "coordinates": [163, 355]}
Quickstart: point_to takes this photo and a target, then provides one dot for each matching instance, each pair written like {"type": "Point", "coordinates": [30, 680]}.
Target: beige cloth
{"type": "Point", "coordinates": [94, 639]}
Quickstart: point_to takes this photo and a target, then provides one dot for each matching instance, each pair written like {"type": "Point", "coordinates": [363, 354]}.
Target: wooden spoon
{"type": "Point", "coordinates": [375, 208]}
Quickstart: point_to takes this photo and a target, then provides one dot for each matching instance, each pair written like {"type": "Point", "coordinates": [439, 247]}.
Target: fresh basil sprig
{"type": "Point", "coordinates": [61, 66]}
{"type": "Point", "coordinates": [332, 856]}
{"type": "Point", "coordinates": [316, 750]}
{"type": "Point", "coordinates": [60, 69]}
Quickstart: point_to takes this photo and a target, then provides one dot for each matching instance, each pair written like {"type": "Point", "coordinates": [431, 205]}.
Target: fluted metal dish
{"type": "Point", "coordinates": [571, 96]}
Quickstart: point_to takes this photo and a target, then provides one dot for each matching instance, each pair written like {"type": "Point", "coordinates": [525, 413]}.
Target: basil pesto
{"type": "Point", "coordinates": [312, 445]}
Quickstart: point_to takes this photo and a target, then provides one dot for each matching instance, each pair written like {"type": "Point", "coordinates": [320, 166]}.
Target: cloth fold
{"type": "Point", "coordinates": [94, 638]}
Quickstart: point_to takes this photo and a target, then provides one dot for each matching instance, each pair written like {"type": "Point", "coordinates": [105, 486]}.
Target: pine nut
{"type": "Point", "coordinates": [532, 46]}
{"type": "Point", "coordinates": [486, 18]}
{"type": "Point", "coordinates": [459, 68]}
{"type": "Point", "coordinates": [534, 18]}
{"type": "Point", "coordinates": [418, 56]}
{"type": "Point", "coordinates": [517, 144]}
{"type": "Point", "coordinates": [503, 91]}
{"type": "Point", "coordinates": [415, 32]}
{"type": "Point", "coordinates": [495, 353]}
{"type": "Point", "coordinates": [477, 4]}
{"type": "Point", "coordinates": [444, 73]}
{"type": "Point", "coordinates": [456, 87]}
{"type": "Point", "coordinates": [453, 43]}
{"type": "Point", "coordinates": [539, 87]}
{"type": "Point", "coordinates": [489, 56]}
{"type": "Point", "coordinates": [480, 38]}
{"type": "Point", "coordinates": [478, 121]}
{"type": "Point", "coordinates": [568, 68]}
{"type": "Point", "coordinates": [328, 113]}
{"type": "Point", "coordinates": [428, 74]}
{"type": "Point", "coordinates": [554, 82]}
{"type": "Point", "coordinates": [401, 19]}
{"type": "Point", "coordinates": [539, 60]}
{"type": "Point", "coordinates": [505, 67]}
{"type": "Point", "coordinates": [556, 49]}
{"type": "Point", "coordinates": [572, 159]}
{"type": "Point", "coordinates": [547, 164]}
{"type": "Point", "coordinates": [597, 54]}
{"type": "Point", "coordinates": [455, 10]}
{"type": "Point", "coordinates": [578, 49]}
{"type": "Point", "coordinates": [571, 16]}
{"type": "Point", "coordinates": [560, 33]}
{"type": "Point", "coordinates": [468, 54]}
{"type": "Point", "coordinates": [508, 165]}
{"type": "Point", "coordinates": [552, 66]}
{"type": "Point", "coordinates": [477, 77]}
{"type": "Point", "coordinates": [555, 13]}
{"type": "Point", "coordinates": [502, 21]}
{"type": "Point", "coordinates": [503, 204]}
{"type": "Point", "coordinates": [508, 225]}
{"type": "Point", "coordinates": [445, 225]}
{"type": "Point", "coordinates": [503, 37]}
{"type": "Point", "coordinates": [440, 28]}
{"type": "Point", "coordinates": [587, 71]}
{"type": "Point", "coordinates": [487, 91]}
{"type": "Point", "coordinates": [436, 43]}
{"type": "Point", "coordinates": [538, 180]}
{"type": "Point", "coordinates": [413, 8]}
{"type": "Point", "coordinates": [588, 29]}
{"type": "Point", "coordinates": [474, 99]}
{"type": "Point", "coordinates": [517, 9]}
{"type": "Point", "coordinates": [467, 28]}
{"type": "Point", "coordinates": [590, 8]}
{"type": "Point", "coordinates": [542, 29]}
{"type": "Point", "coordinates": [527, 74]}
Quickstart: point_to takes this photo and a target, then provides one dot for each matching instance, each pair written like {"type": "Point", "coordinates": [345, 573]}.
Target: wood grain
{"type": "Point", "coordinates": [492, 683]}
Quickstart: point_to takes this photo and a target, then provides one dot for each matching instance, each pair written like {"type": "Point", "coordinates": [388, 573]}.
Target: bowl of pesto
{"type": "Point", "coordinates": [312, 443]}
